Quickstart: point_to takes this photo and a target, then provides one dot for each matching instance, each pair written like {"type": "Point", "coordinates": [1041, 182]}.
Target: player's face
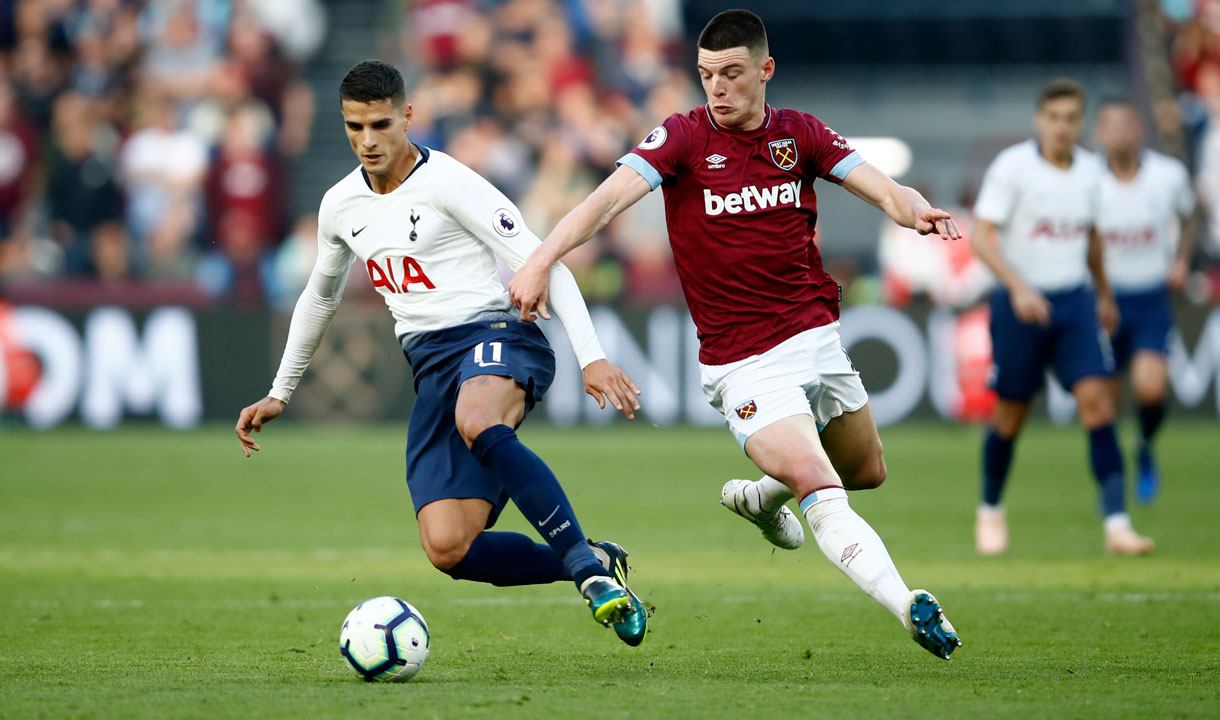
{"type": "Point", "coordinates": [377, 132]}
{"type": "Point", "coordinates": [735, 83]}
{"type": "Point", "coordinates": [1119, 129]}
{"type": "Point", "coordinates": [1058, 123]}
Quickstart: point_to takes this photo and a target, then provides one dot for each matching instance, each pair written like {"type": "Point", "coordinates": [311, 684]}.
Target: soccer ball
{"type": "Point", "coordinates": [385, 639]}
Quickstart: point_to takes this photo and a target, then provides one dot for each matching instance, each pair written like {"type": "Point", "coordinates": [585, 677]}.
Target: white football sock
{"type": "Point", "coordinates": [772, 493]}
{"type": "Point", "coordinates": [853, 546]}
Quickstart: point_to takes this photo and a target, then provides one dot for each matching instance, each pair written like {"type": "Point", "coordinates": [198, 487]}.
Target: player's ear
{"type": "Point", "coordinates": [406, 113]}
{"type": "Point", "coordinates": [768, 69]}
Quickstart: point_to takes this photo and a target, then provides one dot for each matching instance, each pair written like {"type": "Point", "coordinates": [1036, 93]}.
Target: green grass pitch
{"type": "Point", "coordinates": [146, 573]}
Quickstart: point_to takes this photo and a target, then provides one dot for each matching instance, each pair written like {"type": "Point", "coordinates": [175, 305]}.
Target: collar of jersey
{"type": "Point", "coordinates": [768, 112]}
{"type": "Point", "coordinates": [424, 154]}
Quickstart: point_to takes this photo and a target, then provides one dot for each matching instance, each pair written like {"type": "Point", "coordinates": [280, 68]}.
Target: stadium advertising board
{"type": "Point", "coordinates": [181, 366]}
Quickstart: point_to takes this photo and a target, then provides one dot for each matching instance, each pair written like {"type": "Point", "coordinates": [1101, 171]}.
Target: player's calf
{"type": "Point", "coordinates": [867, 476]}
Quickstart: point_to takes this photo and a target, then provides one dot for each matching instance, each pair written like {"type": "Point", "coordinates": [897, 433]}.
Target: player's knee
{"type": "Point", "coordinates": [869, 475]}
{"type": "Point", "coordinates": [1096, 409]}
{"type": "Point", "coordinates": [446, 553]}
{"type": "Point", "coordinates": [472, 424]}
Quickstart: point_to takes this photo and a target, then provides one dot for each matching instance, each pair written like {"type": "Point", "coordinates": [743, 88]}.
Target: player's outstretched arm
{"type": "Point", "coordinates": [252, 418]}
{"type": "Point", "coordinates": [902, 204]}
{"type": "Point", "coordinates": [528, 289]}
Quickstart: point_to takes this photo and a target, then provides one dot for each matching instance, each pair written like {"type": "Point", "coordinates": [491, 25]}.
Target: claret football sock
{"type": "Point", "coordinates": [537, 494]}
{"type": "Point", "coordinates": [509, 558]}
{"type": "Point", "coordinates": [997, 458]}
{"type": "Point", "coordinates": [772, 493]}
{"type": "Point", "coordinates": [853, 547]}
{"type": "Point", "coordinates": [1107, 463]}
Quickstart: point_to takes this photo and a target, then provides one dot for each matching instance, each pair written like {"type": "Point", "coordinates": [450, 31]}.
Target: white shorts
{"type": "Point", "coordinates": [807, 374]}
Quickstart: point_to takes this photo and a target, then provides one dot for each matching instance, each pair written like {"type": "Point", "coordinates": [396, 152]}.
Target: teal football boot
{"type": "Point", "coordinates": [632, 628]}
{"type": "Point", "coordinates": [927, 625]}
{"type": "Point", "coordinates": [609, 602]}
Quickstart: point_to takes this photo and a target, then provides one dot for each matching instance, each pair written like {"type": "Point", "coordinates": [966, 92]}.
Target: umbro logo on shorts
{"type": "Point", "coordinates": [747, 410]}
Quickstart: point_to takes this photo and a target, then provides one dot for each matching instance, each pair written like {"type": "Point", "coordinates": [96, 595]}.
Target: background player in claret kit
{"type": "Point", "coordinates": [1145, 209]}
{"type": "Point", "coordinates": [738, 182]}
{"type": "Point", "coordinates": [1039, 198]}
{"type": "Point", "coordinates": [478, 369]}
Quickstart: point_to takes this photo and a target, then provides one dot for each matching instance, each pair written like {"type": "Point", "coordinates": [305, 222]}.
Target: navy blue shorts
{"type": "Point", "coordinates": [439, 465]}
{"type": "Point", "coordinates": [1144, 324]}
{"type": "Point", "coordinates": [1073, 344]}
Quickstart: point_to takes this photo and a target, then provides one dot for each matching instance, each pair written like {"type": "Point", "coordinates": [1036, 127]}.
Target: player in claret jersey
{"type": "Point", "coordinates": [428, 229]}
{"type": "Point", "coordinates": [1039, 197]}
{"type": "Point", "coordinates": [1145, 207]}
{"type": "Point", "coordinates": [737, 176]}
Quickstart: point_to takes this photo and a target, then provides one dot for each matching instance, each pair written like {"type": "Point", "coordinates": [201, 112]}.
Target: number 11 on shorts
{"type": "Point", "coordinates": [495, 354]}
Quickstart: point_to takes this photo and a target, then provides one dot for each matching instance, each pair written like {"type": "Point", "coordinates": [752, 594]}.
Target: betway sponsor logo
{"type": "Point", "coordinates": [751, 199]}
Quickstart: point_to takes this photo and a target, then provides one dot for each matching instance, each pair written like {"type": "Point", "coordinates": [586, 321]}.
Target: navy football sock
{"type": "Point", "coordinates": [997, 458]}
{"type": "Point", "coordinates": [537, 494]}
{"type": "Point", "coordinates": [1150, 421]}
{"type": "Point", "coordinates": [1107, 464]}
{"type": "Point", "coordinates": [509, 558]}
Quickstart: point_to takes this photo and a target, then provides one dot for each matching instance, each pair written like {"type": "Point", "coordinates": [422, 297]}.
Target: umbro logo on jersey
{"type": "Point", "coordinates": [751, 198]}
{"type": "Point", "coordinates": [715, 161]}
{"type": "Point", "coordinates": [356, 232]}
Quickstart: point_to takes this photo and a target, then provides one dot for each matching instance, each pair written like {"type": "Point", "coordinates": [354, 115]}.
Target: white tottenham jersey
{"type": "Point", "coordinates": [1140, 221]}
{"type": "Point", "coordinates": [429, 248]}
{"type": "Point", "coordinates": [1043, 214]}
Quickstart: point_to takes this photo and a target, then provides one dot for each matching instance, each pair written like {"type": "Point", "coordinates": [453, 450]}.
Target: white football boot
{"type": "Point", "coordinates": [990, 531]}
{"type": "Point", "coordinates": [781, 528]}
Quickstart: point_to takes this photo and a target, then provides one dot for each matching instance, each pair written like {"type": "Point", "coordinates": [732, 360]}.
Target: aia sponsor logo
{"type": "Point", "coordinates": [751, 199]}
{"type": "Point", "coordinates": [747, 410]}
{"type": "Point", "coordinates": [1131, 238]}
{"type": "Point", "coordinates": [851, 552]}
{"type": "Point", "coordinates": [1060, 230]}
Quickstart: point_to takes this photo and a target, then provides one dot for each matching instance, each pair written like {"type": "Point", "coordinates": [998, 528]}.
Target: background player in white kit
{"type": "Point", "coordinates": [1039, 199]}
{"type": "Point", "coordinates": [1144, 217]}
{"type": "Point", "coordinates": [428, 230]}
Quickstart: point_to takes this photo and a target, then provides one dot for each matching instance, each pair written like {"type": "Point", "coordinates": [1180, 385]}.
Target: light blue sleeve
{"type": "Point", "coordinates": [846, 165]}
{"type": "Point", "coordinates": [640, 165]}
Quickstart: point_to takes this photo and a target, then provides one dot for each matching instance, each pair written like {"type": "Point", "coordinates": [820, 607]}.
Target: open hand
{"type": "Point", "coordinates": [252, 419]}
{"type": "Point", "coordinates": [605, 380]}
{"type": "Point", "coordinates": [1031, 306]}
{"type": "Point", "coordinates": [935, 220]}
{"type": "Point", "coordinates": [1107, 314]}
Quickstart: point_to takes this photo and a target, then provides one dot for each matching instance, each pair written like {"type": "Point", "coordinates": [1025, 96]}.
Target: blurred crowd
{"type": "Point", "coordinates": [158, 139]}
{"type": "Point", "coordinates": [148, 138]}
{"type": "Point", "coordinates": [542, 97]}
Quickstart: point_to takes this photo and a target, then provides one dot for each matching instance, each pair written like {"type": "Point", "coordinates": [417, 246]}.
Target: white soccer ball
{"type": "Point", "coordinates": [385, 639]}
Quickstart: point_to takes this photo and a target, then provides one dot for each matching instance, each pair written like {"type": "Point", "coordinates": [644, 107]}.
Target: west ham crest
{"type": "Point", "coordinates": [783, 153]}
{"type": "Point", "coordinates": [747, 410]}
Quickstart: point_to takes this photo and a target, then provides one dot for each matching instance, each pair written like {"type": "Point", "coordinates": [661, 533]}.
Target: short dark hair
{"type": "Point", "coordinates": [735, 28]}
{"type": "Point", "coordinates": [371, 81]}
{"type": "Point", "coordinates": [1061, 88]}
{"type": "Point", "coordinates": [1120, 100]}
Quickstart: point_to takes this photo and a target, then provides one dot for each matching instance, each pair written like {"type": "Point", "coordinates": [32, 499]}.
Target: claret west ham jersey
{"type": "Point", "coordinates": [741, 209]}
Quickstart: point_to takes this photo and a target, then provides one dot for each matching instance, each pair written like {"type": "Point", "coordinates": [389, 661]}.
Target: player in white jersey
{"type": "Point", "coordinates": [427, 230]}
{"type": "Point", "coordinates": [1144, 217]}
{"type": "Point", "coordinates": [1039, 199]}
